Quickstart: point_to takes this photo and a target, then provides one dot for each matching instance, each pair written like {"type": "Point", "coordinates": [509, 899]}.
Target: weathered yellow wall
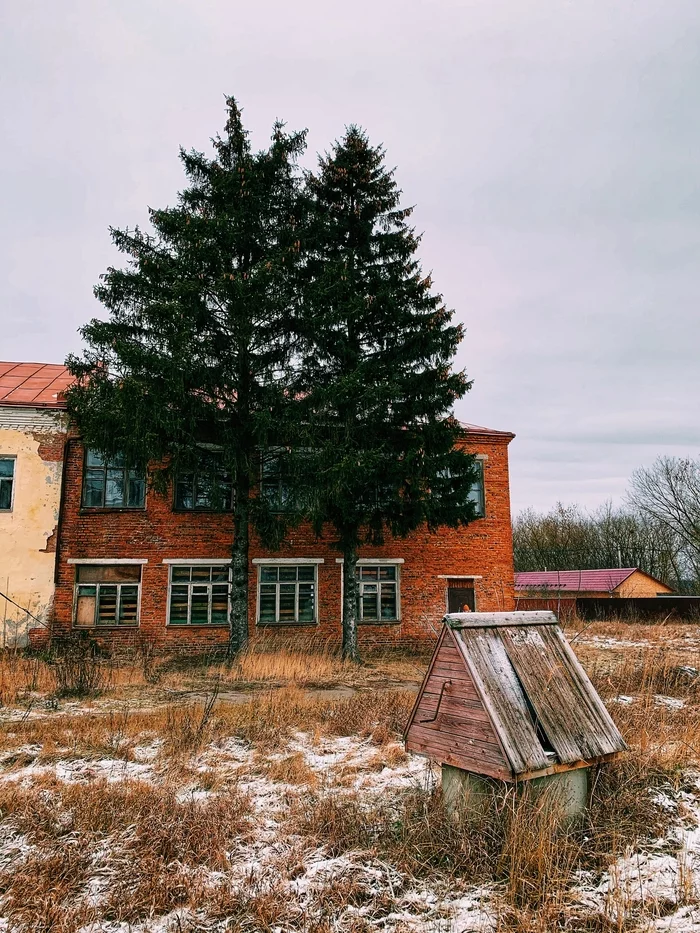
{"type": "Point", "coordinates": [639, 584]}
{"type": "Point", "coordinates": [26, 567]}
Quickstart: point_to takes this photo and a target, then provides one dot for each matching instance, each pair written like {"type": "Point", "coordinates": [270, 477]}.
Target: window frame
{"type": "Point", "coordinates": [97, 626]}
{"type": "Point", "coordinates": [286, 499]}
{"type": "Point", "coordinates": [261, 563]}
{"type": "Point", "coordinates": [480, 461]}
{"type": "Point", "coordinates": [398, 562]}
{"type": "Point", "coordinates": [199, 562]}
{"type": "Point", "coordinates": [105, 467]}
{"type": "Point", "coordinates": [195, 472]}
{"type": "Point", "coordinates": [11, 479]}
{"type": "Point", "coordinates": [361, 564]}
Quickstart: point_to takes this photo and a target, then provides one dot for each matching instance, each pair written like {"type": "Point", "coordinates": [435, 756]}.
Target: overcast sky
{"type": "Point", "coordinates": [551, 148]}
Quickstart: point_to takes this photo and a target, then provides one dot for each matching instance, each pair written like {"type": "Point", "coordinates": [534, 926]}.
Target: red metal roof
{"type": "Point", "coordinates": [598, 581]}
{"type": "Point", "coordinates": [36, 385]}
{"type": "Point", "coordinates": [480, 429]}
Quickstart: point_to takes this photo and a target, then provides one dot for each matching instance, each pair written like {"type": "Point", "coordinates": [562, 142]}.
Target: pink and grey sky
{"type": "Point", "coordinates": [551, 147]}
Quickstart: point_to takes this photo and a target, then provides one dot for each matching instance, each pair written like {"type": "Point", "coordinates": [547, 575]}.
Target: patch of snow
{"type": "Point", "coordinates": [147, 752]}
{"type": "Point", "coordinates": [82, 770]}
{"type": "Point", "coordinates": [669, 702]}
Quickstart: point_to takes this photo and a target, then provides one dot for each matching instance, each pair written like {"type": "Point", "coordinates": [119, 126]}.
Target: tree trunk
{"type": "Point", "coordinates": [239, 570]}
{"type": "Point", "coordinates": [350, 601]}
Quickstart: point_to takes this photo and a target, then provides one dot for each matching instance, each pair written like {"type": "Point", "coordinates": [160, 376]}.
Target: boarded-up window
{"type": "Point", "coordinates": [107, 594]}
{"type": "Point", "coordinates": [199, 594]}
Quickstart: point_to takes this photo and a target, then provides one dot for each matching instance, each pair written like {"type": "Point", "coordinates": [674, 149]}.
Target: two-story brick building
{"type": "Point", "coordinates": [133, 565]}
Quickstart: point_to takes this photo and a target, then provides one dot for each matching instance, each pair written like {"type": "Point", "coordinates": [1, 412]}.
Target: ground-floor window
{"type": "Point", "coordinates": [107, 594]}
{"type": "Point", "coordinates": [199, 594]}
{"type": "Point", "coordinates": [287, 593]}
{"type": "Point", "coordinates": [378, 592]}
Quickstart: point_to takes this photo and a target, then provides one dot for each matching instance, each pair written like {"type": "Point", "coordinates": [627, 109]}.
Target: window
{"type": "Point", "coordinates": [476, 493]}
{"type": "Point", "coordinates": [199, 595]}
{"type": "Point", "coordinates": [107, 594]}
{"type": "Point", "coordinates": [287, 593]}
{"type": "Point", "coordinates": [274, 488]}
{"type": "Point", "coordinates": [7, 476]}
{"type": "Point", "coordinates": [207, 488]}
{"type": "Point", "coordinates": [111, 484]}
{"type": "Point", "coordinates": [379, 595]}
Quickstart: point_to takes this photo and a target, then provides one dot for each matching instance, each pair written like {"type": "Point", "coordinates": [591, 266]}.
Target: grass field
{"type": "Point", "coordinates": [275, 795]}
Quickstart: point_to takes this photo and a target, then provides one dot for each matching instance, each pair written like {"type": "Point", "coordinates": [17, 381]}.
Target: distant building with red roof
{"type": "Point", "coordinates": [622, 582]}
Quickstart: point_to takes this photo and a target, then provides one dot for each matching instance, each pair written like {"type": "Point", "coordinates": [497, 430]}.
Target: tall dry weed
{"type": "Point", "coordinates": [77, 831]}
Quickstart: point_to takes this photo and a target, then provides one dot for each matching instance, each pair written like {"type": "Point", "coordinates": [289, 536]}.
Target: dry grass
{"type": "Point", "coordinates": [126, 851]}
{"type": "Point", "coordinates": [157, 839]}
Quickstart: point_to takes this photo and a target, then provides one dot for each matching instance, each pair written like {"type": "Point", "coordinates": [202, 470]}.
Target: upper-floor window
{"type": "Point", "coordinates": [208, 488]}
{"type": "Point", "coordinates": [476, 493]}
{"type": "Point", "coordinates": [107, 594]}
{"type": "Point", "coordinates": [7, 479]}
{"type": "Point", "coordinates": [274, 485]}
{"type": "Point", "coordinates": [111, 483]}
{"type": "Point", "coordinates": [378, 592]}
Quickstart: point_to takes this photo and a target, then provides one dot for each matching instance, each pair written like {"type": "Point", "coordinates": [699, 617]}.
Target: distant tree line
{"type": "Point", "coordinates": [657, 529]}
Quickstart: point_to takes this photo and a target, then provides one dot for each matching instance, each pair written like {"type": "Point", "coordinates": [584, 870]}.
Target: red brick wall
{"type": "Point", "coordinates": [157, 532]}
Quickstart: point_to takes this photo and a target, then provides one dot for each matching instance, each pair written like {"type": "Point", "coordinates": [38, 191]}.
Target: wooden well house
{"type": "Point", "coordinates": [505, 697]}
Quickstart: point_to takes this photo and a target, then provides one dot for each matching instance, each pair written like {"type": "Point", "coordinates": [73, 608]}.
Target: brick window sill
{"type": "Point", "coordinates": [379, 621]}
{"type": "Point", "coordinates": [201, 511]}
{"type": "Point", "coordinates": [110, 509]}
{"type": "Point", "coordinates": [189, 625]}
{"type": "Point", "coordinates": [285, 624]}
{"type": "Point", "coordinates": [106, 628]}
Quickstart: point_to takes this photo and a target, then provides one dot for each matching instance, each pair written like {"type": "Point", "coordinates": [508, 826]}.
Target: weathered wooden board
{"type": "Point", "coordinates": [459, 620]}
{"type": "Point", "coordinates": [569, 710]}
{"type": "Point", "coordinates": [503, 697]}
{"type": "Point", "coordinates": [449, 722]}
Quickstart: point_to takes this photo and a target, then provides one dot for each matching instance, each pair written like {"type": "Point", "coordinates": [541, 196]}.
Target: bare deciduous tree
{"type": "Point", "coordinates": [668, 493]}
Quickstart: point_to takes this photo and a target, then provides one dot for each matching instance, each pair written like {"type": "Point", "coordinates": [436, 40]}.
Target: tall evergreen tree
{"type": "Point", "coordinates": [196, 348]}
{"type": "Point", "coordinates": [377, 381]}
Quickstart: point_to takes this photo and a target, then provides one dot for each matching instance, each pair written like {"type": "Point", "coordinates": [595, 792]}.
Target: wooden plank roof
{"type": "Point", "coordinates": [538, 696]}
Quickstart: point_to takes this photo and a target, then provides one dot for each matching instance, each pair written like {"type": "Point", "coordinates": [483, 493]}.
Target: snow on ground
{"type": "Point", "coordinates": [342, 765]}
{"type": "Point", "coordinates": [674, 703]}
{"type": "Point", "coordinates": [661, 882]}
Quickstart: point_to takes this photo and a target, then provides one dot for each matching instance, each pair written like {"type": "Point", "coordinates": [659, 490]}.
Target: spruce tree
{"type": "Point", "coordinates": [377, 381]}
{"type": "Point", "coordinates": [195, 351]}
